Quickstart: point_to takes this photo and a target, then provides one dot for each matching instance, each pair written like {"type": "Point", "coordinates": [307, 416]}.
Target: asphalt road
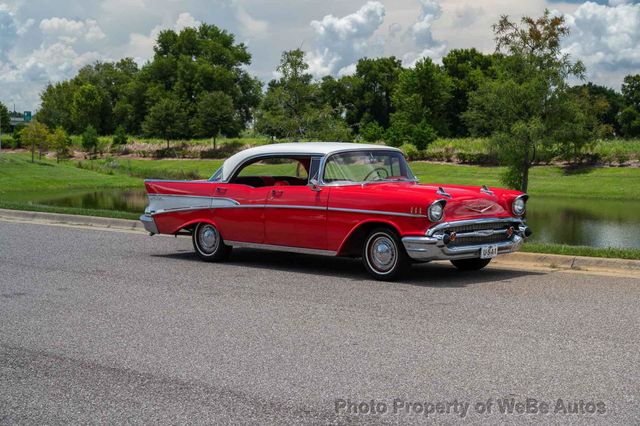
{"type": "Point", "coordinates": [117, 327]}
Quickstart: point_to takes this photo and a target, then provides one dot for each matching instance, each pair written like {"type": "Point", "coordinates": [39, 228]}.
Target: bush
{"type": "Point", "coordinates": [410, 151]}
{"type": "Point", "coordinates": [372, 131]}
{"type": "Point", "coordinates": [90, 140]}
{"type": "Point", "coordinates": [120, 136]}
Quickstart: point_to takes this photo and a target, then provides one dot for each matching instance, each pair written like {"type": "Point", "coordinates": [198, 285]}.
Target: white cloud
{"type": "Point", "coordinates": [606, 38]}
{"type": "Point", "coordinates": [422, 35]}
{"type": "Point", "coordinates": [340, 42]}
{"type": "Point", "coordinates": [70, 30]}
{"type": "Point", "coordinates": [185, 20]}
{"type": "Point", "coordinates": [250, 26]}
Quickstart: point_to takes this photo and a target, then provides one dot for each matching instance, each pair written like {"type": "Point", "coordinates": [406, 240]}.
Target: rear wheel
{"type": "Point", "coordinates": [470, 264]}
{"type": "Point", "coordinates": [208, 243]}
{"type": "Point", "coordinates": [383, 255]}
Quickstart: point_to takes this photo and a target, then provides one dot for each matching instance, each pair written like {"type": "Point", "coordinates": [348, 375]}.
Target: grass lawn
{"type": "Point", "coordinates": [613, 253]}
{"type": "Point", "coordinates": [602, 182]}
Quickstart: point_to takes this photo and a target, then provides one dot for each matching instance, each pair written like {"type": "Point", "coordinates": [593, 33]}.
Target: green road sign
{"type": "Point", "coordinates": [27, 116]}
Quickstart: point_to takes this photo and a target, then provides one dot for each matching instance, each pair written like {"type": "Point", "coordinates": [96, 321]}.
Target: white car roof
{"type": "Point", "coordinates": [297, 148]}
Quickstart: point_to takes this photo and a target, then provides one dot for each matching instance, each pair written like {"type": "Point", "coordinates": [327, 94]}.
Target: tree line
{"type": "Point", "coordinates": [197, 85]}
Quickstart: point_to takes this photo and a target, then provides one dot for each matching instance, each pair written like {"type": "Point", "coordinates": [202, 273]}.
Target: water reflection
{"type": "Point", "coordinates": [597, 223]}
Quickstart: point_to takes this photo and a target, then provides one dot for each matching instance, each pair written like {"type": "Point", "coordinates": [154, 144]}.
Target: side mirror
{"type": "Point", "coordinates": [314, 184]}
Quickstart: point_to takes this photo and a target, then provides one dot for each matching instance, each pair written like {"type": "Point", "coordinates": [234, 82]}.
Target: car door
{"type": "Point", "coordinates": [296, 215]}
{"type": "Point", "coordinates": [238, 210]}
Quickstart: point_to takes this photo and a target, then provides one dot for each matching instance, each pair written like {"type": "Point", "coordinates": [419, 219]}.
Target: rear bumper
{"type": "Point", "coordinates": [149, 224]}
{"type": "Point", "coordinates": [433, 246]}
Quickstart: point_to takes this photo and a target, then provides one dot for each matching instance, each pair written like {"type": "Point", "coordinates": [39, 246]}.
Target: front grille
{"type": "Point", "coordinates": [462, 240]}
{"type": "Point", "coordinates": [496, 238]}
{"type": "Point", "coordinates": [480, 227]}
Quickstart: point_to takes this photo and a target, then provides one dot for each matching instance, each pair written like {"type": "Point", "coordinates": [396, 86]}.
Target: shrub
{"type": "Point", "coordinates": [410, 151]}
{"type": "Point", "coordinates": [90, 140]}
{"type": "Point", "coordinates": [372, 131]}
{"type": "Point", "coordinates": [120, 136]}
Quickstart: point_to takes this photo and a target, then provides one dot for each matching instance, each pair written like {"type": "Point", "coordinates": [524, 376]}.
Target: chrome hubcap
{"type": "Point", "coordinates": [382, 253]}
{"type": "Point", "coordinates": [208, 237]}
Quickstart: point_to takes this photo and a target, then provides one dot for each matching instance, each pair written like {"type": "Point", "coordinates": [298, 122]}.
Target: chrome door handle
{"type": "Point", "coordinates": [221, 190]}
{"type": "Point", "coordinates": [276, 193]}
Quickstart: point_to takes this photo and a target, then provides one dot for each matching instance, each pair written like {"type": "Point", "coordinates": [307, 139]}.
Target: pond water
{"type": "Point", "coordinates": [596, 223]}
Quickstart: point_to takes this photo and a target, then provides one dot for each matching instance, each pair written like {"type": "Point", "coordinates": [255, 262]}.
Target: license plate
{"type": "Point", "coordinates": [487, 252]}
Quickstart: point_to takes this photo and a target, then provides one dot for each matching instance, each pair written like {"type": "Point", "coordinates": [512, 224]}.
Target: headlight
{"type": "Point", "coordinates": [519, 205]}
{"type": "Point", "coordinates": [436, 210]}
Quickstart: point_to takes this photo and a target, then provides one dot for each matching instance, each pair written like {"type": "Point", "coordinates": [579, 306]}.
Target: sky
{"type": "Point", "coordinates": [44, 41]}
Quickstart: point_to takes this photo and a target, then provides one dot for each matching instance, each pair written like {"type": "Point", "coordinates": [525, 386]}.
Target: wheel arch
{"type": "Point", "coordinates": [190, 225]}
{"type": "Point", "coordinates": [355, 239]}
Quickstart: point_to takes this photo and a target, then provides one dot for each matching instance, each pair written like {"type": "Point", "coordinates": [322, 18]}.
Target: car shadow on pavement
{"type": "Point", "coordinates": [432, 274]}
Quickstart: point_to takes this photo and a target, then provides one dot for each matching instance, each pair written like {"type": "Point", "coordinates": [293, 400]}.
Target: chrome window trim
{"type": "Point", "coordinates": [325, 158]}
{"type": "Point", "coordinates": [253, 158]}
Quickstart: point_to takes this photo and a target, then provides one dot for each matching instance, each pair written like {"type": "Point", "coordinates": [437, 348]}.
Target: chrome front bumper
{"type": "Point", "coordinates": [434, 245]}
{"type": "Point", "coordinates": [149, 224]}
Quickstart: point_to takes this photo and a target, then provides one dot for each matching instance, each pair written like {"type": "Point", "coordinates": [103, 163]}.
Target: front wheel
{"type": "Point", "coordinates": [383, 255]}
{"type": "Point", "coordinates": [208, 243]}
{"type": "Point", "coordinates": [470, 264]}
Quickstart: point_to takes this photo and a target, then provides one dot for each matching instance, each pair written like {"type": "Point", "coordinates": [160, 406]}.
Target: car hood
{"type": "Point", "coordinates": [462, 201]}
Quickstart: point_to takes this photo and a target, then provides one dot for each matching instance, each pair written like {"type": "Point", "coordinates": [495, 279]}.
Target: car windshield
{"type": "Point", "coordinates": [367, 166]}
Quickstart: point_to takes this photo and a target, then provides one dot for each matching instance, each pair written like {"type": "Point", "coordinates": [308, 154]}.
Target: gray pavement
{"type": "Point", "coordinates": [117, 327]}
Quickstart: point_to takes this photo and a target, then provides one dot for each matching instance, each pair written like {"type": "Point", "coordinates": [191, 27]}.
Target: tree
{"type": "Point", "coordinates": [60, 142]}
{"type": "Point", "coordinates": [120, 136]}
{"type": "Point", "coordinates": [166, 119]}
{"type": "Point", "coordinates": [629, 118]}
{"type": "Point", "coordinates": [88, 107]}
{"type": "Point", "coordinates": [609, 101]}
{"type": "Point", "coordinates": [90, 140]}
{"type": "Point", "coordinates": [294, 105]}
{"type": "Point", "coordinates": [527, 108]}
{"type": "Point", "coordinates": [35, 134]}
{"type": "Point", "coordinates": [420, 100]}
{"type": "Point", "coordinates": [631, 91]}
{"type": "Point", "coordinates": [214, 114]}
{"type": "Point", "coordinates": [466, 68]}
{"type": "Point", "coordinates": [5, 126]}
{"type": "Point", "coordinates": [56, 105]}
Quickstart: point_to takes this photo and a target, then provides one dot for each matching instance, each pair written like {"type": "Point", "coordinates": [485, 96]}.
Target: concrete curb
{"type": "Point", "coordinates": [70, 219]}
{"type": "Point", "coordinates": [555, 261]}
{"type": "Point", "coordinates": [572, 262]}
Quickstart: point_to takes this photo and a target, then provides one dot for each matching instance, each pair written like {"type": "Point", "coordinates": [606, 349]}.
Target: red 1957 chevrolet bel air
{"type": "Point", "coordinates": [337, 199]}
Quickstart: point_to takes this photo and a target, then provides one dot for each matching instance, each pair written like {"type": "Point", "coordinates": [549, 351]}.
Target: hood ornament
{"type": "Point", "coordinates": [442, 192]}
{"type": "Point", "coordinates": [486, 190]}
{"type": "Point", "coordinates": [479, 209]}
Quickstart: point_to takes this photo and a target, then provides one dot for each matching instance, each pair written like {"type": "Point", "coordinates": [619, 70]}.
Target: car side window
{"type": "Point", "coordinates": [274, 171]}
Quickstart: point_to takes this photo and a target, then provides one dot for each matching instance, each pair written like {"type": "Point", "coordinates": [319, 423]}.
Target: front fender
{"type": "Point", "coordinates": [364, 225]}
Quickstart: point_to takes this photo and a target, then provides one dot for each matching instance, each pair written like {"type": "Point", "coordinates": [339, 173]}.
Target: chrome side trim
{"type": "Point", "coordinates": [273, 247]}
{"type": "Point", "coordinates": [379, 212]}
{"type": "Point", "coordinates": [163, 203]}
{"type": "Point", "coordinates": [290, 206]}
